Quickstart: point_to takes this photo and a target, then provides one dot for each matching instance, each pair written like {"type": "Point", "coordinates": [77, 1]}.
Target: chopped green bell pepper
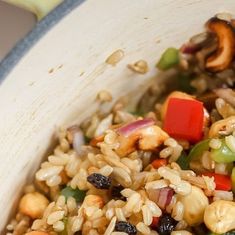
{"type": "Point", "coordinates": [78, 194]}
{"type": "Point", "coordinates": [223, 154]}
{"type": "Point", "coordinates": [169, 59]}
{"type": "Point", "coordinates": [183, 161]}
{"type": "Point", "coordinates": [233, 179]}
{"type": "Point", "coordinates": [197, 151]}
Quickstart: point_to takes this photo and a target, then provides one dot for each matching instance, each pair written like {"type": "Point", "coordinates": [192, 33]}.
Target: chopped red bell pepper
{"type": "Point", "coordinates": [159, 162]}
{"type": "Point", "coordinates": [155, 221]}
{"type": "Point", "coordinates": [184, 119]}
{"type": "Point", "coordinates": [222, 182]}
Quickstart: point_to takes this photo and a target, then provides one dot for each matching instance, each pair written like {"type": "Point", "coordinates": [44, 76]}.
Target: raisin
{"type": "Point", "coordinates": [116, 193]}
{"type": "Point", "coordinates": [166, 225]}
{"type": "Point", "coordinates": [99, 181]}
{"type": "Point", "coordinates": [126, 227]}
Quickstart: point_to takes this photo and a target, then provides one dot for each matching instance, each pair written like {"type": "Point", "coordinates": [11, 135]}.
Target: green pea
{"type": "Point", "coordinates": [78, 194]}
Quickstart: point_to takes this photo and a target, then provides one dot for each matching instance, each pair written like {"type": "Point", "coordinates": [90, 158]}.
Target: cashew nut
{"type": "Point", "coordinates": [148, 139]}
{"type": "Point", "coordinates": [219, 216]}
{"type": "Point", "coordinates": [223, 56]}
{"type": "Point", "coordinates": [194, 206]}
{"type": "Point", "coordinates": [33, 205]}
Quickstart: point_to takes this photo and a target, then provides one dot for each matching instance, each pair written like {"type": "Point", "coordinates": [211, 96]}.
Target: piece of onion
{"type": "Point", "coordinates": [196, 43]}
{"type": "Point", "coordinates": [162, 197]}
{"type": "Point", "coordinates": [189, 48]}
{"type": "Point", "coordinates": [130, 128]}
{"type": "Point", "coordinates": [226, 94]}
{"type": "Point", "coordinates": [165, 197]}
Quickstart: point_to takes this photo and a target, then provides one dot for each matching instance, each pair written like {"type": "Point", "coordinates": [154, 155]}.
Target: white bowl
{"type": "Point", "coordinates": [56, 81]}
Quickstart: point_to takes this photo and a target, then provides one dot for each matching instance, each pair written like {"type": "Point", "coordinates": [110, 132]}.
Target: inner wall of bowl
{"type": "Point", "coordinates": [57, 81]}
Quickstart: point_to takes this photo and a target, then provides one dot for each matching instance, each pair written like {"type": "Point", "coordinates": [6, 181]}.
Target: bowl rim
{"type": "Point", "coordinates": [42, 27]}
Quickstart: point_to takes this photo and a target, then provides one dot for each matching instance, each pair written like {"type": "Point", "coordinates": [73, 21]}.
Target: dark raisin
{"type": "Point", "coordinates": [166, 225]}
{"type": "Point", "coordinates": [126, 227]}
{"type": "Point", "coordinates": [99, 181]}
{"type": "Point", "coordinates": [116, 193]}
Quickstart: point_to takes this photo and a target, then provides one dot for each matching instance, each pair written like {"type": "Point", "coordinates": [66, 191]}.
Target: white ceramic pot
{"type": "Point", "coordinates": [52, 77]}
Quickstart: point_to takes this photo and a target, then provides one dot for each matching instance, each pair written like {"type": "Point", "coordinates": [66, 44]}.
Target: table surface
{"type": "Point", "coordinates": [15, 23]}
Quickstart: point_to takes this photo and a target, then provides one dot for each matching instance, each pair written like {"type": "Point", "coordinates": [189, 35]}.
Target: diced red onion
{"type": "Point", "coordinates": [189, 48]}
{"type": "Point", "coordinates": [165, 197]}
{"type": "Point", "coordinates": [162, 197]}
{"type": "Point", "coordinates": [227, 94]}
{"type": "Point", "coordinates": [195, 43]}
{"type": "Point", "coordinates": [78, 141]}
{"type": "Point", "coordinates": [130, 128]}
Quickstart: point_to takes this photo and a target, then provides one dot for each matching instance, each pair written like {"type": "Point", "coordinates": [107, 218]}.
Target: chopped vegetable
{"type": "Point", "coordinates": [164, 197]}
{"type": "Point", "coordinates": [183, 161]}
{"type": "Point", "coordinates": [198, 149]}
{"type": "Point", "coordinates": [195, 43]}
{"type": "Point", "coordinates": [174, 94]}
{"type": "Point", "coordinates": [169, 59]}
{"type": "Point", "coordinates": [155, 221]}
{"type": "Point", "coordinates": [159, 162]}
{"type": "Point", "coordinates": [184, 119]}
{"type": "Point", "coordinates": [222, 182]}
{"type": "Point", "coordinates": [132, 127]}
{"type": "Point", "coordinates": [233, 179]}
{"type": "Point", "coordinates": [148, 139]}
{"type": "Point", "coordinates": [223, 154]}
{"type": "Point", "coordinates": [189, 48]}
{"type": "Point", "coordinates": [161, 196]}
{"type": "Point", "coordinates": [223, 56]}
{"type": "Point", "coordinates": [78, 194]}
